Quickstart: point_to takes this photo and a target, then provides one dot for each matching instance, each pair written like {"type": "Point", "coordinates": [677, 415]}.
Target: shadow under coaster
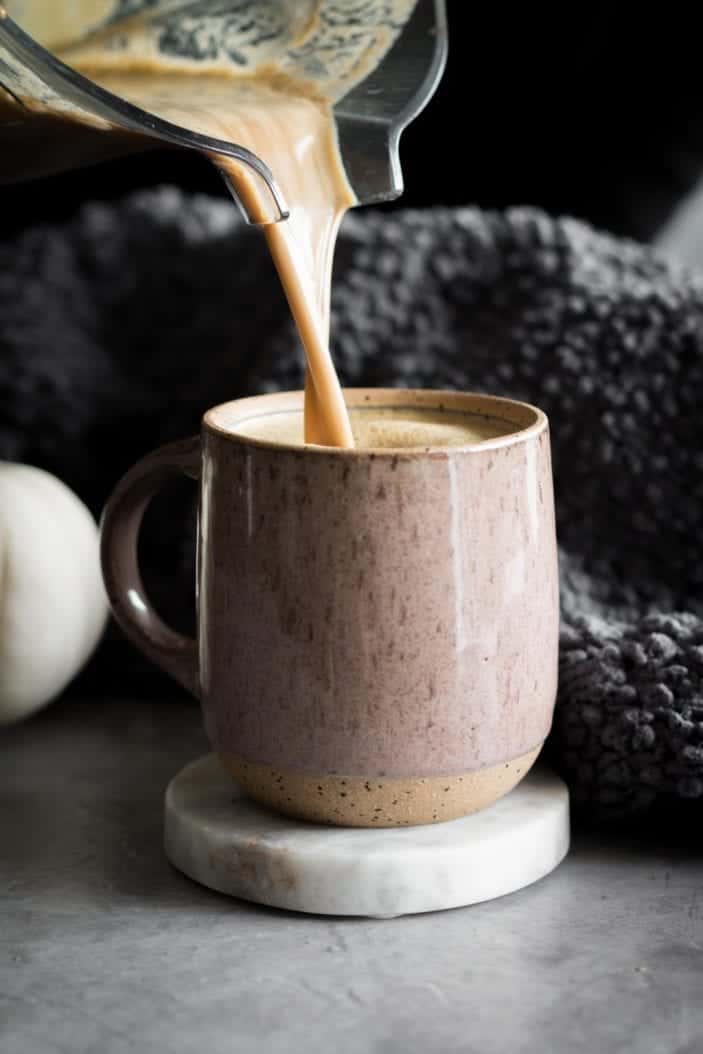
{"type": "Point", "coordinates": [217, 836]}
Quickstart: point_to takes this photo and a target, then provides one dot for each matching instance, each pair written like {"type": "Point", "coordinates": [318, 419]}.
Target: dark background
{"type": "Point", "coordinates": [585, 113]}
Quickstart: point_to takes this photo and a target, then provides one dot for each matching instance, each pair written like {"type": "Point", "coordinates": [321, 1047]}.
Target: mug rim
{"type": "Point", "coordinates": [529, 420]}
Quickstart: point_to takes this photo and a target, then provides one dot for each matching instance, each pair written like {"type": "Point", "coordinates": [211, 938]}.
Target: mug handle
{"type": "Point", "coordinates": [119, 535]}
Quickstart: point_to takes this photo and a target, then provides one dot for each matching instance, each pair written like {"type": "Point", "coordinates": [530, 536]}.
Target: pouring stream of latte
{"type": "Point", "coordinates": [294, 135]}
{"type": "Point", "coordinates": [275, 97]}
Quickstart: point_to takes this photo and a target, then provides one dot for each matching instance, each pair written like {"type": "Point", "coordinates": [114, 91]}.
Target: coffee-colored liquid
{"type": "Point", "coordinates": [245, 79]}
{"type": "Point", "coordinates": [294, 134]}
{"type": "Point", "coordinates": [391, 428]}
{"type": "Point", "coordinates": [292, 129]}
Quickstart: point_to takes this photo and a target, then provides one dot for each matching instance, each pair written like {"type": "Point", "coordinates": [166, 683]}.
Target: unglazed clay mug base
{"type": "Point", "coordinates": [377, 628]}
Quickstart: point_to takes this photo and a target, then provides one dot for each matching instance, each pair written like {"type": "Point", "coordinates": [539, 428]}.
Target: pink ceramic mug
{"type": "Point", "coordinates": [377, 629]}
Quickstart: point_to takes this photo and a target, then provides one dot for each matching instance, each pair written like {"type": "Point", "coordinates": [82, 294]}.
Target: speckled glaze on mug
{"type": "Point", "coordinates": [377, 628]}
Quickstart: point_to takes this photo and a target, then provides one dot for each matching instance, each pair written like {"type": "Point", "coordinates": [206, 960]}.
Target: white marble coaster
{"type": "Point", "coordinates": [220, 838]}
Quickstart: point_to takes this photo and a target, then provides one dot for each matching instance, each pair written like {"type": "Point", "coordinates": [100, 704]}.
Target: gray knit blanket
{"type": "Point", "coordinates": [120, 328]}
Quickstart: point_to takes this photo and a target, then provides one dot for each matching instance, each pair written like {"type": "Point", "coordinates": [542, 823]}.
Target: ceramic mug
{"type": "Point", "coordinates": [377, 629]}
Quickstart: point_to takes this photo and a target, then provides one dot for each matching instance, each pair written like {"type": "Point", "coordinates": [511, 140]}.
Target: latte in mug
{"type": "Point", "coordinates": [387, 428]}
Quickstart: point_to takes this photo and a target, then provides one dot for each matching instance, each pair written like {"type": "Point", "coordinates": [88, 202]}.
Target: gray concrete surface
{"type": "Point", "coordinates": [104, 947]}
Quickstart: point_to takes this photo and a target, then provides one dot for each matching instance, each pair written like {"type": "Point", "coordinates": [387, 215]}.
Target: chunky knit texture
{"type": "Point", "coordinates": [119, 329]}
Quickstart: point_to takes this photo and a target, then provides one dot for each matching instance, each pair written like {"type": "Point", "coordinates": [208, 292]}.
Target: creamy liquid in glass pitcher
{"type": "Point", "coordinates": [262, 75]}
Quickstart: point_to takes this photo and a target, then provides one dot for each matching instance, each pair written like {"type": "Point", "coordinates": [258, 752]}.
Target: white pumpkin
{"type": "Point", "coordinates": [53, 606]}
